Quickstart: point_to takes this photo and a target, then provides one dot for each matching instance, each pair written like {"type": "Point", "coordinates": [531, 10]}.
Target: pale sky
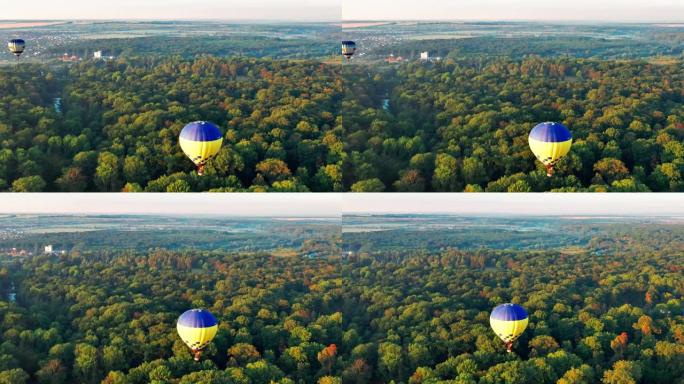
{"type": "Point", "coordinates": [336, 204]}
{"type": "Point", "coordinates": [218, 204]}
{"type": "Point", "coordinates": [547, 10]}
{"type": "Point", "coordinates": [280, 10]}
{"type": "Point", "coordinates": [534, 204]}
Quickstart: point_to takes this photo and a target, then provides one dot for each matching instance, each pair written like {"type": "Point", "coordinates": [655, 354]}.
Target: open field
{"type": "Point", "coordinates": [28, 24]}
{"type": "Point", "coordinates": [362, 24]}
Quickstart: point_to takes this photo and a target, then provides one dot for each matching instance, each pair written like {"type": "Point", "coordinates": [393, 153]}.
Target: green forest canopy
{"type": "Point", "coordinates": [459, 124]}
{"type": "Point", "coordinates": [119, 123]}
{"type": "Point", "coordinates": [462, 124]}
{"type": "Point", "coordinates": [608, 311]}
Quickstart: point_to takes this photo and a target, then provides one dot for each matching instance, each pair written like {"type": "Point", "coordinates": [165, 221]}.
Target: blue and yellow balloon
{"type": "Point", "coordinates": [197, 328]}
{"type": "Point", "coordinates": [201, 141]}
{"type": "Point", "coordinates": [508, 321]}
{"type": "Point", "coordinates": [348, 49]}
{"type": "Point", "coordinates": [16, 46]}
{"type": "Point", "coordinates": [550, 142]}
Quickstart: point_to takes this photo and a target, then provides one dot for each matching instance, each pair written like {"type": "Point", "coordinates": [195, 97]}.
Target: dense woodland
{"type": "Point", "coordinates": [194, 235]}
{"type": "Point", "coordinates": [189, 47]}
{"type": "Point", "coordinates": [118, 124]}
{"type": "Point", "coordinates": [642, 44]}
{"type": "Point", "coordinates": [88, 318]}
{"type": "Point", "coordinates": [609, 311]}
{"type": "Point", "coordinates": [462, 124]}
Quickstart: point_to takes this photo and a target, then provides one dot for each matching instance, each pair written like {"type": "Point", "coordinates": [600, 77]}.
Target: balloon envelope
{"type": "Point", "coordinates": [200, 141]}
{"type": "Point", "coordinates": [550, 142]}
{"type": "Point", "coordinates": [508, 321]}
{"type": "Point", "coordinates": [348, 48]}
{"type": "Point", "coordinates": [16, 46]}
{"type": "Point", "coordinates": [197, 328]}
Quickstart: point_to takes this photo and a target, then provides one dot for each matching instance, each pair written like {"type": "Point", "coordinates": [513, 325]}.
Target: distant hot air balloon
{"type": "Point", "coordinates": [16, 46]}
{"type": "Point", "coordinates": [200, 141]}
{"type": "Point", "coordinates": [550, 142]}
{"type": "Point", "coordinates": [197, 328]}
{"type": "Point", "coordinates": [348, 49]}
{"type": "Point", "coordinates": [508, 322]}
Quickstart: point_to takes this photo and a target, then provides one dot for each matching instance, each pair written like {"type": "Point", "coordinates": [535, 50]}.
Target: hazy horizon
{"type": "Point", "coordinates": [200, 10]}
{"type": "Point", "coordinates": [169, 204]}
{"type": "Point", "coordinates": [339, 21]}
{"type": "Point", "coordinates": [168, 20]}
{"type": "Point", "coordinates": [627, 11]}
{"type": "Point", "coordinates": [318, 205]}
{"type": "Point", "coordinates": [525, 204]}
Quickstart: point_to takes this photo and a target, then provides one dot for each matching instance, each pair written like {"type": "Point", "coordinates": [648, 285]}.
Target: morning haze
{"type": "Point", "coordinates": [266, 10]}
{"type": "Point", "coordinates": [524, 10]}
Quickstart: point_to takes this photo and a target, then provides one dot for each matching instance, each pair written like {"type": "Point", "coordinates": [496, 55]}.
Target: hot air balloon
{"type": "Point", "coordinates": [200, 141]}
{"type": "Point", "coordinates": [508, 322]}
{"type": "Point", "coordinates": [16, 46]}
{"type": "Point", "coordinates": [348, 49]}
{"type": "Point", "coordinates": [550, 142]}
{"type": "Point", "coordinates": [197, 328]}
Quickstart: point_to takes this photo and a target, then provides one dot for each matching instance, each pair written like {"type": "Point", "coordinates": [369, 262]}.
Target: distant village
{"type": "Point", "coordinates": [97, 55]}
{"type": "Point", "coordinates": [424, 56]}
{"type": "Point", "coordinates": [41, 45]}
{"type": "Point", "coordinates": [22, 252]}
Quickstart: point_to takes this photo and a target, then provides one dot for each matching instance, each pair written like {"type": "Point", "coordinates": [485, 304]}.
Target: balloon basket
{"type": "Point", "coordinates": [549, 171]}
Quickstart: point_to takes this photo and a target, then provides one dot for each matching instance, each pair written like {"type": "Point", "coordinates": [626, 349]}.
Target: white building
{"type": "Point", "coordinates": [425, 55]}
{"type": "Point", "coordinates": [48, 248]}
{"type": "Point", "coordinates": [97, 55]}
